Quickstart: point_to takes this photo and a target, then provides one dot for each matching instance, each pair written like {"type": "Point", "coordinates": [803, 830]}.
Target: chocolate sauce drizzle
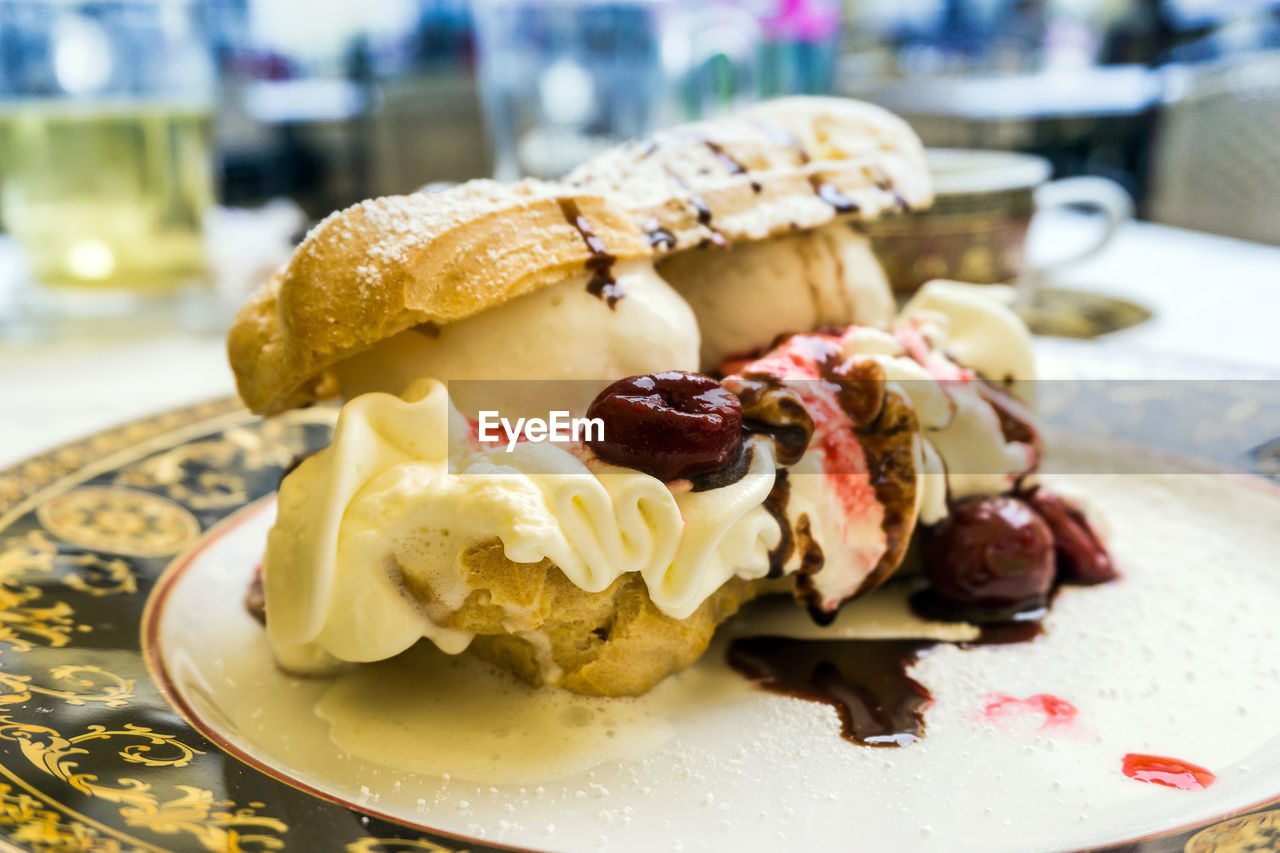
{"type": "Point", "coordinates": [840, 202]}
{"type": "Point", "coordinates": [699, 204]}
{"type": "Point", "coordinates": [885, 184]}
{"type": "Point", "coordinates": [602, 283]}
{"type": "Point", "coordinates": [776, 505]}
{"type": "Point", "coordinates": [726, 475]}
{"type": "Point", "coordinates": [888, 445]}
{"type": "Point", "coordinates": [1016, 422]}
{"type": "Point", "coordinates": [775, 411]}
{"type": "Point", "coordinates": [812, 559]}
{"type": "Point", "coordinates": [659, 237]}
{"type": "Point", "coordinates": [732, 166]}
{"type": "Point", "coordinates": [771, 409]}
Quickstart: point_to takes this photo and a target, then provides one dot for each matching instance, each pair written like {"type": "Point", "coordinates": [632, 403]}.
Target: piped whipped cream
{"type": "Point", "coordinates": [404, 488]}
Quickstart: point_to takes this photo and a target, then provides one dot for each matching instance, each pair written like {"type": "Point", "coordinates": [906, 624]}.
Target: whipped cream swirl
{"type": "Point", "coordinates": [404, 488]}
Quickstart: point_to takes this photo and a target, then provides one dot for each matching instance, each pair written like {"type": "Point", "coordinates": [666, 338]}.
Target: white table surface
{"type": "Point", "coordinates": [1054, 93]}
{"type": "Point", "coordinates": [1216, 303]}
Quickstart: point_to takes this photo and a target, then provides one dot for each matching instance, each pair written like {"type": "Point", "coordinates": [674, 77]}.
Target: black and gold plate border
{"type": "Point", "coordinates": [93, 756]}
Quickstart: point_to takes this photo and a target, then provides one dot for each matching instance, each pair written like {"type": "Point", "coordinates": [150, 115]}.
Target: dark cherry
{"type": "Point", "coordinates": [1081, 556]}
{"type": "Point", "coordinates": [670, 425]}
{"type": "Point", "coordinates": [990, 552]}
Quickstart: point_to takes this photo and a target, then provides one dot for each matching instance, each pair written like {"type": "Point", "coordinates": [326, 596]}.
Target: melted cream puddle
{"type": "Point", "coordinates": [436, 714]}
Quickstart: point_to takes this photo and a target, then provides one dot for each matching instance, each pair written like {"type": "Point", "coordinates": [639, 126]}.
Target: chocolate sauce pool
{"type": "Point", "coordinates": [866, 681]}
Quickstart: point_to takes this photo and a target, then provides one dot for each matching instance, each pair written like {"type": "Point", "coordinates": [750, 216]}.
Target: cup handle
{"type": "Point", "coordinates": [1101, 194]}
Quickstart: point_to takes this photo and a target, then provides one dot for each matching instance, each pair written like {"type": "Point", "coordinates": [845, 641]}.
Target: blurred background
{"type": "Point", "coordinates": [159, 158]}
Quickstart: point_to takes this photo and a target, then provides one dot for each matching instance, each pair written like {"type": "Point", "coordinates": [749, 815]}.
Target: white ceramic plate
{"type": "Point", "coordinates": [1179, 658]}
{"type": "Point", "coordinates": [140, 710]}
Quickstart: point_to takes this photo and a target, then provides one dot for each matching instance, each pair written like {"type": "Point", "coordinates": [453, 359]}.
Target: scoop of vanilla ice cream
{"type": "Point", "coordinates": [851, 539]}
{"type": "Point", "coordinates": [561, 332]}
{"type": "Point", "coordinates": [747, 295]}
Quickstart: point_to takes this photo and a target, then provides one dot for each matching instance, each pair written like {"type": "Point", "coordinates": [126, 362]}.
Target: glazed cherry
{"type": "Point", "coordinates": [1081, 556]}
{"type": "Point", "coordinates": [670, 425]}
{"type": "Point", "coordinates": [990, 552]}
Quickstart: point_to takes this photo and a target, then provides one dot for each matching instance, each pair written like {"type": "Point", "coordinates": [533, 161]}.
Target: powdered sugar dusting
{"type": "Point", "coordinates": [388, 231]}
{"type": "Point", "coordinates": [1182, 646]}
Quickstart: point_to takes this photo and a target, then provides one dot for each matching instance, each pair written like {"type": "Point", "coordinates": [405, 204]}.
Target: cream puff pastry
{"type": "Point", "coordinates": [822, 434]}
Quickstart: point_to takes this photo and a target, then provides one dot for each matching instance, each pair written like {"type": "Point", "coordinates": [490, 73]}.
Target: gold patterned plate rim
{"type": "Point", "coordinates": [94, 756]}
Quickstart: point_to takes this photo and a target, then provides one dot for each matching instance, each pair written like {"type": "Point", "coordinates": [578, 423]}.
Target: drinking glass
{"type": "Point", "coordinates": [563, 79]}
{"type": "Point", "coordinates": [105, 119]}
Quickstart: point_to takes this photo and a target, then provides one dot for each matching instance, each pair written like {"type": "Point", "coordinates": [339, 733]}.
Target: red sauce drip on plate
{"type": "Point", "coordinates": [1056, 712]}
{"type": "Point", "coordinates": [1170, 772]}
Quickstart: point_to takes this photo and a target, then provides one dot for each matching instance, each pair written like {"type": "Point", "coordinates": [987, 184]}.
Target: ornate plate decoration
{"type": "Point", "coordinates": [93, 757]}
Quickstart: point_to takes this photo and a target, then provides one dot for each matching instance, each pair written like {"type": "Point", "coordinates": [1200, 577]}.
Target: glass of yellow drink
{"type": "Point", "coordinates": [105, 167]}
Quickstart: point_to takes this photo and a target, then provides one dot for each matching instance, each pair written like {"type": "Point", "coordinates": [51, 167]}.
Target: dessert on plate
{"type": "Point", "coordinates": [768, 423]}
